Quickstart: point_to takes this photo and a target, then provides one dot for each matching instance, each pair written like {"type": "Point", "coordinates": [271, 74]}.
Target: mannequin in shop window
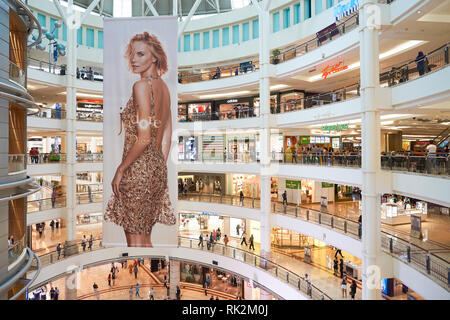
{"type": "Point", "coordinates": [140, 191]}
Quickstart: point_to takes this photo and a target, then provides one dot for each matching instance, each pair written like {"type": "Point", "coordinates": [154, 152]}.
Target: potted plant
{"type": "Point", "coordinates": [63, 69]}
{"type": "Point", "coordinates": [54, 157]}
{"type": "Point", "coordinates": [275, 54]}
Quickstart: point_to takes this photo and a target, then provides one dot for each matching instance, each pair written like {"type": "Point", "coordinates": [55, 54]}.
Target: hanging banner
{"type": "Point", "coordinates": [140, 108]}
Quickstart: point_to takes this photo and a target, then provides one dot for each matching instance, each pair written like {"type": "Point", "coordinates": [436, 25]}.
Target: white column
{"type": "Point", "coordinates": [313, 8]}
{"type": "Point", "coordinates": [71, 104]}
{"type": "Point", "coordinates": [371, 218]}
{"type": "Point", "coordinates": [174, 278]}
{"type": "Point", "coordinates": [264, 96]}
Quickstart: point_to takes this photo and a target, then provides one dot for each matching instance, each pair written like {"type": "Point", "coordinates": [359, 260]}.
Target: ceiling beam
{"type": "Point", "coordinates": [89, 9]}
{"type": "Point", "coordinates": [152, 8]}
{"type": "Point", "coordinates": [217, 6]}
{"type": "Point", "coordinates": [60, 10]}
{"type": "Point", "coordinates": [189, 17]}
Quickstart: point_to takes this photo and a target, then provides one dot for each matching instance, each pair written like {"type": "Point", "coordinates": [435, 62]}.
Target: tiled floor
{"type": "Point", "coordinates": [120, 290]}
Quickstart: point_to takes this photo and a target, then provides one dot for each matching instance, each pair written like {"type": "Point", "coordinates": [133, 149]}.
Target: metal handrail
{"type": "Point", "coordinates": [17, 276]}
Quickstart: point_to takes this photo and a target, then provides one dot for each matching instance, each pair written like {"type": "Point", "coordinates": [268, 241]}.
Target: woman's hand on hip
{"type": "Point", "coordinates": [116, 181]}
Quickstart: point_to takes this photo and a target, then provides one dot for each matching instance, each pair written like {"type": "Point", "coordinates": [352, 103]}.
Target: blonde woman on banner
{"type": "Point", "coordinates": [140, 192]}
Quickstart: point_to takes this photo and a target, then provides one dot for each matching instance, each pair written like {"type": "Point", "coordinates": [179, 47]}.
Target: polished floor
{"type": "Point", "coordinates": [120, 288]}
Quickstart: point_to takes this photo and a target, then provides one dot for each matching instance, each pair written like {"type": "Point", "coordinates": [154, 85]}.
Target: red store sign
{"type": "Point", "coordinates": [333, 69]}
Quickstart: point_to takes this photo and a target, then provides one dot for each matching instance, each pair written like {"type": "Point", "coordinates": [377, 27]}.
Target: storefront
{"type": "Point", "coordinates": [242, 147]}
{"type": "Point", "coordinates": [249, 184]}
{"type": "Point", "coordinates": [90, 218]}
{"type": "Point", "coordinates": [89, 109]}
{"type": "Point", "coordinates": [302, 191]}
{"type": "Point", "coordinates": [396, 210]}
{"type": "Point", "coordinates": [236, 227]}
{"type": "Point", "coordinates": [198, 222]}
{"type": "Point", "coordinates": [291, 101]}
{"type": "Point", "coordinates": [45, 144]}
{"type": "Point", "coordinates": [188, 148]}
{"type": "Point", "coordinates": [236, 108]}
{"type": "Point", "coordinates": [202, 183]}
{"type": "Point", "coordinates": [213, 147]}
{"type": "Point", "coordinates": [89, 144]}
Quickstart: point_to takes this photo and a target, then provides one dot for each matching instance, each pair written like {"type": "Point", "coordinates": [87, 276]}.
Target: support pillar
{"type": "Point", "coordinates": [174, 278]}
{"type": "Point", "coordinates": [371, 218]}
{"type": "Point", "coordinates": [71, 104]}
{"type": "Point", "coordinates": [264, 133]}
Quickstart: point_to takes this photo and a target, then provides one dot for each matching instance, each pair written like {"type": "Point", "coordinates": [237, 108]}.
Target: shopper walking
{"type": "Point", "coordinates": [83, 242]}
{"type": "Point", "coordinates": [284, 195]}
{"type": "Point", "coordinates": [422, 63]}
{"type": "Point", "coordinates": [353, 289]}
{"type": "Point", "coordinates": [52, 225]}
{"type": "Point", "coordinates": [344, 287]}
{"type": "Point", "coordinates": [200, 241]}
{"type": "Point", "coordinates": [109, 279]}
{"type": "Point", "coordinates": [58, 250]}
{"type": "Point", "coordinates": [95, 287]}
{"type": "Point", "coordinates": [137, 290]}
{"type": "Point", "coordinates": [241, 198]}
{"type": "Point", "coordinates": [205, 286]}
{"type": "Point", "coordinates": [252, 245]}
{"type": "Point", "coordinates": [151, 294]}
{"type": "Point", "coordinates": [243, 238]}
{"type": "Point", "coordinates": [135, 269]}
{"type": "Point", "coordinates": [113, 277]}
{"type": "Point", "coordinates": [131, 293]}
{"type": "Point", "coordinates": [226, 240]}
{"type": "Point", "coordinates": [56, 293]}
{"type": "Point", "coordinates": [335, 267]}
{"type": "Point", "coordinates": [341, 268]}
{"type": "Point", "coordinates": [91, 241]}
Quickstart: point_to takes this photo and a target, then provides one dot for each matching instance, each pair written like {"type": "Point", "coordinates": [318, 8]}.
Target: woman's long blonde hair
{"type": "Point", "coordinates": [155, 48]}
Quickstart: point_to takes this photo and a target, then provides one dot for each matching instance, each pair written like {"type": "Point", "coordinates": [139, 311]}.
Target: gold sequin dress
{"type": "Point", "coordinates": [144, 196]}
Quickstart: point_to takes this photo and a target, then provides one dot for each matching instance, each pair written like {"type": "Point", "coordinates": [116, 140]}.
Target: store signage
{"type": "Point", "coordinates": [210, 214]}
{"type": "Point", "coordinates": [232, 100]}
{"type": "Point", "coordinates": [323, 204]}
{"type": "Point", "coordinates": [336, 127]}
{"type": "Point", "coordinates": [335, 68]}
{"type": "Point", "coordinates": [304, 140]}
{"type": "Point", "coordinates": [416, 226]}
{"type": "Point", "coordinates": [293, 184]}
{"type": "Point", "coordinates": [345, 9]}
{"type": "Point", "coordinates": [327, 185]}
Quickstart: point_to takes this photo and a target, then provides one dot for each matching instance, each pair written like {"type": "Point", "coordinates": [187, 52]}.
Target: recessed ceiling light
{"type": "Point", "coordinates": [419, 12]}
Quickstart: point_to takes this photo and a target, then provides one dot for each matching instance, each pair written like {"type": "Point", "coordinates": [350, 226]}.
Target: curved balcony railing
{"type": "Point", "coordinates": [421, 259]}
{"type": "Point", "coordinates": [16, 74]}
{"type": "Point", "coordinates": [42, 158]}
{"type": "Point", "coordinates": [232, 200]}
{"type": "Point", "coordinates": [50, 113]}
{"type": "Point", "coordinates": [17, 163]}
{"type": "Point", "coordinates": [61, 201]}
{"type": "Point", "coordinates": [59, 69]}
{"type": "Point", "coordinates": [393, 76]}
{"type": "Point", "coordinates": [291, 52]}
{"type": "Point", "coordinates": [402, 161]}
{"type": "Point", "coordinates": [89, 157]}
{"type": "Point", "coordinates": [46, 204]}
{"type": "Point", "coordinates": [274, 269]}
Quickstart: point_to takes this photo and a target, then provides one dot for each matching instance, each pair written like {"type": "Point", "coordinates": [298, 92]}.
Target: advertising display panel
{"type": "Point", "coordinates": [140, 109]}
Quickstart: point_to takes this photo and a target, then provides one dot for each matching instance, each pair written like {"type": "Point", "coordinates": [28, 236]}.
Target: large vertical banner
{"type": "Point", "coordinates": [140, 106]}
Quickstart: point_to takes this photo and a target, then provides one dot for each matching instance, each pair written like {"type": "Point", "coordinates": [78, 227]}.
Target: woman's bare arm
{"type": "Point", "coordinates": [142, 97]}
{"type": "Point", "coordinates": [163, 113]}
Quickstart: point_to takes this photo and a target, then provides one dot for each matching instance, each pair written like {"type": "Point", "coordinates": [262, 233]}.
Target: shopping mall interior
{"type": "Point", "coordinates": [309, 156]}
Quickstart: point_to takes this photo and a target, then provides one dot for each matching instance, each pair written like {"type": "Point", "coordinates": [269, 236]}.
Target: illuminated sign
{"type": "Point", "coordinates": [337, 127]}
{"type": "Point", "coordinates": [232, 100]}
{"type": "Point", "coordinates": [210, 214]}
{"type": "Point", "coordinates": [345, 9]}
{"type": "Point", "coordinates": [333, 69]}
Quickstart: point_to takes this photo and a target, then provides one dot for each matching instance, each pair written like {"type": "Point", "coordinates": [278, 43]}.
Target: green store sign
{"type": "Point", "coordinates": [327, 185]}
{"type": "Point", "coordinates": [293, 184]}
{"type": "Point", "coordinates": [336, 127]}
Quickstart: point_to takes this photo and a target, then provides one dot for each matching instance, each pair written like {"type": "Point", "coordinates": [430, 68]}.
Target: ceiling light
{"type": "Point", "coordinates": [385, 123]}
{"type": "Point", "coordinates": [278, 86]}
{"type": "Point", "coordinates": [219, 95]}
{"type": "Point", "coordinates": [419, 12]}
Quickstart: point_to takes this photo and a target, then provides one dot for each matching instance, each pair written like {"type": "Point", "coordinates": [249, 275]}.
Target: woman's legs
{"type": "Point", "coordinates": [139, 239]}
